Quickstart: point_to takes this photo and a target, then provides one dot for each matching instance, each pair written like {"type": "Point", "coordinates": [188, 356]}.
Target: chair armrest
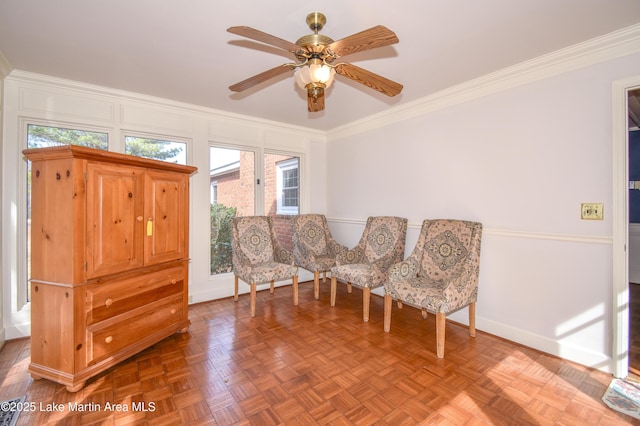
{"type": "Point", "coordinates": [403, 270]}
{"type": "Point", "coordinates": [302, 256]}
{"type": "Point", "coordinates": [387, 261]}
{"type": "Point", "coordinates": [240, 262]}
{"type": "Point", "coordinates": [348, 257]}
{"type": "Point", "coordinates": [335, 248]}
{"type": "Point", "coordinates": [281, 254]}
{"type": "Point", "coordinates": [461, 290]}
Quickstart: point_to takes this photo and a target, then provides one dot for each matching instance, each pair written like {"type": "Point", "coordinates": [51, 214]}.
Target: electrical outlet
{"type": "Point", "coordinates": [592, 211]}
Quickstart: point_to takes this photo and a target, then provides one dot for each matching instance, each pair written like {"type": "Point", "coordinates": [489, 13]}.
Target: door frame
{"type": "Point", "coordinates": [620, 295]}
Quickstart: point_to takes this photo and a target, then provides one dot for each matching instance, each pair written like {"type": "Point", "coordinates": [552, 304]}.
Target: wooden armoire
{"type": "Point", "coordinates": [109, 259]}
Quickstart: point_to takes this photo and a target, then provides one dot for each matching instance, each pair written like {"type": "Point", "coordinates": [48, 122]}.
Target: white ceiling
{"type": "Point", "coordinates": [180, 49]}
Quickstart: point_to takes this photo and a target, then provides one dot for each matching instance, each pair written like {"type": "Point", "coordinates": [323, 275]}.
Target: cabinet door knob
{"type": "Point", "coordinates": [173, 311]}
{"type": "Point", "coordinates": [173, 281]}
{"type": "Point", "coordinates": [139, 218]}
{"type": "Point", "coordinates": [108, 339]}
{"type": "Point", "coordinates": [108, 302]}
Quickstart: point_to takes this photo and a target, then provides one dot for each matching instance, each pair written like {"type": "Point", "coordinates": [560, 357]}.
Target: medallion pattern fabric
{"type": "Point", "coordinates": [623, 396]}
{"type": "Point", "coordinates": [257, 256]}
{"type": "Point", "coordinates": [314, 249]}
{"type": "Point", "coordinates": [381, 245]}
{"type": "Point", "coordinates": [446, 250]}
{"type": "Point", "coordinates": [256, 243]}
{"type": "Point", "coordinates": [441, 274]}
{"type": "Point", "coordinates": [380, 240]}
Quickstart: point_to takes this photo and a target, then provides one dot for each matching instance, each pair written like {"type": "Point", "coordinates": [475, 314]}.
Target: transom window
{"type": "Point", "coordinates": [156, 149]}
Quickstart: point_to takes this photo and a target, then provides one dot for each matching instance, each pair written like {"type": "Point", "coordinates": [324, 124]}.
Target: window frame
{"type": "Point", "coordinates": [281, 167]}
{"type": "Point", "coordinates": [158, 137]}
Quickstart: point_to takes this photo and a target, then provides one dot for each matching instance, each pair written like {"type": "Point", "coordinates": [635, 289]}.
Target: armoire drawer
{"type": "Point", "coordinates": [109, 299]}
{"type": "Point", "coordinates": [106, 341]}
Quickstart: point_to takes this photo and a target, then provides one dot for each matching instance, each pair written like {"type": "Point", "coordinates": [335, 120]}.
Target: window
{"type": "Point", "coordinates": [46, 136]}
{"type": "Point", "coordinates": [287, 186]}
{"type": "Point", "coordinates": [232, 181]}
{"type": "Point", "coordinates": [214, 192]}
{"type": "Point", "coordinates": [241, 186]}
{"type": "Point", "coordinates": [156, 149]}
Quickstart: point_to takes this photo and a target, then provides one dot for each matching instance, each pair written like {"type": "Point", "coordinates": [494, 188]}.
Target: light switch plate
{"type": "Point", "coordinates": [592, 211]}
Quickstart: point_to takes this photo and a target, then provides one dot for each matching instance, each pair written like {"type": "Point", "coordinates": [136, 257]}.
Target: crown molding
{"type": "Point", "coordinates": [117, 96]}
{"type": "Point", "coordinates": [623, 42]}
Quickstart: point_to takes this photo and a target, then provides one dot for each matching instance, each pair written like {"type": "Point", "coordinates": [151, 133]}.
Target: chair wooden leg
{"type": "Point", "coordinates": [399, 304]}
{"type": "Point", "coordinates": [295, 290]}
{"type": "Point", "coordinates": [253, 299]}
{"type": "Point", "coordinates": [440, 322]}
{"type": "Point", "coordinates": [424, 313]}
{"type": "Point", "coordinates": [235, 286]}
{"type": "Point", "coordinates": [271, 286]}
{"type": "Point", "coordinates": [316, 285]}
{"type": "Point", "coordinates": [324, 276]}
{"type": "Point", "coordinates": [349, 288]}
{"type": "Point", "coordinates": [388, 305]}
{"type": "Point", "coordinates": [472, 319]}
{"type": "Point", "coordinates": [366, 301]}
{"type": "Point", "coordinates": [334, 284]}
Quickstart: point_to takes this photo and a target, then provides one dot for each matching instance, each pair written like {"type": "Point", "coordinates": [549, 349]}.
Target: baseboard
{"type": "Point", "coordinates": [567, 351]}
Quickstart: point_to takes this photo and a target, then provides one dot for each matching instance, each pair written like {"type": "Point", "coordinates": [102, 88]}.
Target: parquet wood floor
{"type": "Point", "coordinates": [313, 364]}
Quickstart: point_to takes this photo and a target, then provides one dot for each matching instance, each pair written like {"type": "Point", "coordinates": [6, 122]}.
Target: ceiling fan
{"type": "Point", "coordinates": [315, 55]}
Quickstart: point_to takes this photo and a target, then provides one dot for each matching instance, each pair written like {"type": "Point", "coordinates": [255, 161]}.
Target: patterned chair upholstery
{"type": "Point", "coordinates": [366, 265]}
{"type": "Point", "coordinates": [440, 276]}
{"type": "Point", "coordinates": [258, 257]}
{"type": "Point", "coordinates": [314, 249]}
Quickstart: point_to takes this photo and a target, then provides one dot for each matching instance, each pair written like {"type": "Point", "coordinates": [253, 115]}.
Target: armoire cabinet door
{"type": "Point", "coordinates": [166, 216]}
{"type": "Point", "coordinates": [115, 218]}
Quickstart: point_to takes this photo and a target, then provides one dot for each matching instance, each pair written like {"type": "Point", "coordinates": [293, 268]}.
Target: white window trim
{"type": "Point", "coordinates": [293, 163]}
{"type": "Point", "coordinates": [214, 183]}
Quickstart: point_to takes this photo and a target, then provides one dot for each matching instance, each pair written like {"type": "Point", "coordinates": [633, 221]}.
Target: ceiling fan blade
{"type": "Point", "coordinates": [372, 80]}
{"type": "Point", "coordinates": [263, 37]}
{"type": "Point", "coordinates": [368, 39]}
{"type": "Point", "coordinates": [259, 78]}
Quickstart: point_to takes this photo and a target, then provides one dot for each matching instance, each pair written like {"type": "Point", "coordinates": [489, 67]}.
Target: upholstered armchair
{"type": "Point", "coordinates": [365, 266]}
{"type": "Point", "coordinates": [440, 276]}
{"type": "Point", "coordinates": [258, 257]}
{"type": "Point", "coordinates": [314, 249]}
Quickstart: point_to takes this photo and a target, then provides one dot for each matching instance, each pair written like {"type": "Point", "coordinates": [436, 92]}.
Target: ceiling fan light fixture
{"type": "Point", "coordinates": [317, 73]}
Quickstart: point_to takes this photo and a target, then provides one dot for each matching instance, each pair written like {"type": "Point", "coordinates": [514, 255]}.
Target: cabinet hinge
{"type": "Point", "coordinates": [86, 176]}
{"type": "Point", "coordinates": [86, 266]}
{"type": "Point", "coordinates": [257, 181]}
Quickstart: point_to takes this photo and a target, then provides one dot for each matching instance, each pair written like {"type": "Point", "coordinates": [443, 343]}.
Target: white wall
{"type": "Point", "coordinates": [520, 160]}
{"type": "Point", "coordinates": [31, 98]}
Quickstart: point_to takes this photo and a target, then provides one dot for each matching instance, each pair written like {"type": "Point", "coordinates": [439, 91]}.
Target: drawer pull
{"type": "Point", "coordinates": [108, 302]}
{"type": "Point", "coordinates": [108, 339]}
{"type": "Point", "coordinates": [173, 311]}
{"type": "Point", "coordinates": [173, 281]}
